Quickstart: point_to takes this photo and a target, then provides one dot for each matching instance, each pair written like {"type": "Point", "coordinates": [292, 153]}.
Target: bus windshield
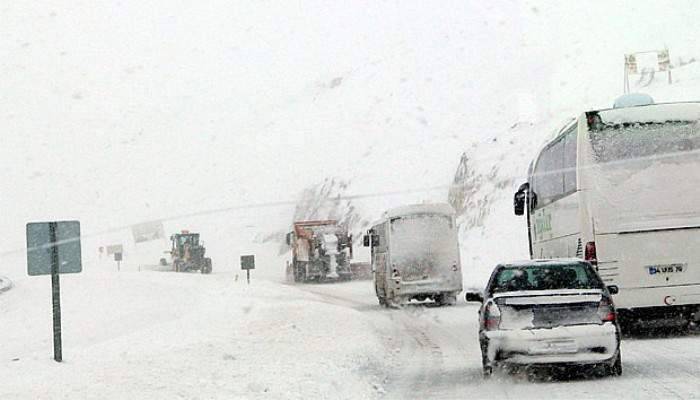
{"type": "Point", "coordinates": [643, 140]}
{"type": "Point", "coordinates": [640, 157]}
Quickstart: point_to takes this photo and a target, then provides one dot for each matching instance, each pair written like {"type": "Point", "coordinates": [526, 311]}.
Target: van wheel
{"type": "Point", "coordinates": [446, 299]}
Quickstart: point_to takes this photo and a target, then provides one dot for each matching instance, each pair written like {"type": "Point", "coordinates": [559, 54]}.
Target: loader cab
{"type": "Point", "coordinates": [179, 240]}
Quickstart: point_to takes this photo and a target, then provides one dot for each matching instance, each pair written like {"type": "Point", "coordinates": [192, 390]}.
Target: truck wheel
{"type": "Point", "coordinates": [299, 274]}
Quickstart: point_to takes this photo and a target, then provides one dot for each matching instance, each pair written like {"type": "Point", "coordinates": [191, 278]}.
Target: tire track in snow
{"type": "Point", "coordinates": [423, 358]}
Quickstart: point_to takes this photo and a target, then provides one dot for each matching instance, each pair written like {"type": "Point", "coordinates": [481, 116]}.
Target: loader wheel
{"type": "Point", "coordinates": [206, 268]}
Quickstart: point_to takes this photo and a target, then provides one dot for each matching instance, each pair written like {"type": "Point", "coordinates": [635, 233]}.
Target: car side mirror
{"type": "Point", "coordinates": [519, 199]}
{"type": "Point", "coordinates": [365, 240]}
{"type": "Point", "coordinates": [474, 297]}
{"type": "Point", "coordinates": [613, 289]}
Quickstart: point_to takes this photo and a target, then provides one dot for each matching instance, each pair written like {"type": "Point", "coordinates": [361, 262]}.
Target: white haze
{"type": "Point", "coordinates": [119, 112]}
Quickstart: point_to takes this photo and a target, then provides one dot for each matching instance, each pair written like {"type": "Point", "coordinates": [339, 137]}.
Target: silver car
{"type": "Point", "coordinates": [548, 312]}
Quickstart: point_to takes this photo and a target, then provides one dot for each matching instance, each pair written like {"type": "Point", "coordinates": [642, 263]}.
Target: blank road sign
{"type": "Point", "coordinates": [39, 247]}
{"type": "Point", "coordinates": [247, 262]}
{"type": "Point", "coordinates": [114, 248]}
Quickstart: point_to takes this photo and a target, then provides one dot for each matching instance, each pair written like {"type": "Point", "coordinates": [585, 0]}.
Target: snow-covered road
{"type": "Point", "coordinates": [433, 352]}
{"type": "Point", "coordinates": [163, 335]}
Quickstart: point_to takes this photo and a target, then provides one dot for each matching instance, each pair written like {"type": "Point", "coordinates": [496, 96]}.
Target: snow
{"type": "Point", "coordinates": [5, 284]}
{"type": "Point", "coordinates": [416, 209]}
{"type": "Point", "coordinates": [550, 297]}
{"type": "Point", "coordinates": [167, 335]}
{"type": "Point", "coordinates": [530, 344]}
{"type": "Point", "coordinates": [119, 113]}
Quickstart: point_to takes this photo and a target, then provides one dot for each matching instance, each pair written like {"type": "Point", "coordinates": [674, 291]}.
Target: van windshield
{"type": "Point", "coordinates": [546, 277]}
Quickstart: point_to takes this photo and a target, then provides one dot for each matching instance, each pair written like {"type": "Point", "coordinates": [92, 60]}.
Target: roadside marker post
{"type": "Point", "coordinates": [118, 259]}
{"type": "Point", "coordinates": [248, 263]}
{"type": "Point", "coordinates": [53, 248]}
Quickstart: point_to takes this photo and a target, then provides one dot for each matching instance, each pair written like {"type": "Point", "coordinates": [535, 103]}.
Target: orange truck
{"type": "Point", "coordinates": [321, 251]}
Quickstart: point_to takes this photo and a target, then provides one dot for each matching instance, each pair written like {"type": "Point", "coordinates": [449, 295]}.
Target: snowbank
{"type": "Point", "coordinates": [5, 284]}
{"type": "Point", "coordinates": [159, 335]}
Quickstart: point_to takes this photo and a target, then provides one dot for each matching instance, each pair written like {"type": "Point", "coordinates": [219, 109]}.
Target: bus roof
{"type": "Point", "coordinates": [687, 110]}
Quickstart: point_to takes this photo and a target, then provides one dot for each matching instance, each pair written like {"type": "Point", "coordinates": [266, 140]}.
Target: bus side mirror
{"type": "Point", "coordinates": [613, 289]}
{"type": "Point", "coordinates": [365, 240]}
{"type": "Point", "coordinates": [519, 199]}
{"type": "Point", "coordinates": [289, 239]}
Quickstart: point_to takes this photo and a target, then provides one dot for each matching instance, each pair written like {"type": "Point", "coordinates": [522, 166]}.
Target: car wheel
{"type": "Point", "coordinates": [487, 371]}
{"type": "Point", "coordinates": [486, 367]}
{"type": "Point", "coordinates": [616, 368]}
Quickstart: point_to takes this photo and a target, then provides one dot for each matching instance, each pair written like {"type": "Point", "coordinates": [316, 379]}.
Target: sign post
{"type": "Point", "coordinates": [645, 64]}
{"type": "Point", "coordinates": [55, 294]}
{"type": "Point", "coordinates": [53, 248]}
{"type": "Point", "coordinates": [118, 259]}
{"type": "Point", "coordinates": [248, 263]}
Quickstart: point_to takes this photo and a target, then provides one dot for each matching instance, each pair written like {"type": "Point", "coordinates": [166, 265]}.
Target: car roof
{"type": "Point", "coordinates": [553, 262]}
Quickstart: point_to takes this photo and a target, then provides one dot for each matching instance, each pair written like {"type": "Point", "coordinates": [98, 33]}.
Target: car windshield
{"type": "Point", "coordinates": [545, 277]}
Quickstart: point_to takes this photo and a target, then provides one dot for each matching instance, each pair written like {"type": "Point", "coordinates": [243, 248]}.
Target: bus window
{"type": "Point", "coordinates": [548, 176]}
{"type": "Point", "coordinates": [570, 160]}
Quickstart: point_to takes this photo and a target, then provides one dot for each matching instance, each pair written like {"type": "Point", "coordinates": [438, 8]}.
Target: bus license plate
{"type": "Point", "coordinates": [666, 268]}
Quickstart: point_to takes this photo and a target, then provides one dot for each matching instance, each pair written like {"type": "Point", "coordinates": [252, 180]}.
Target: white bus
{"type": "Point", "coordinates": [621, 188]}
{"type": "Point", "coordinates": [415, 255]}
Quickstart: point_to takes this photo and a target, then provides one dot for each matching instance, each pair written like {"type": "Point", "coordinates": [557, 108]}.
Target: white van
{"type": "Point", "coordinates": [415, 255]}
{"type": "Point", "coordinates": [621, 188]}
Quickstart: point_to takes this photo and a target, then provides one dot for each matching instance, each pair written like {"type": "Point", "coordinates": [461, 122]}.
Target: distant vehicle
{"type": "Point", "coordinates": [188, 254]}
{"type": "Point", "coordinates": [548, 312]}
{"type": "Point", "coordinates": [620, 188]}
{"type": "Point", "coordinates": [415, 255]}
{"type": "Point", "coordinates": [321, 251]}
